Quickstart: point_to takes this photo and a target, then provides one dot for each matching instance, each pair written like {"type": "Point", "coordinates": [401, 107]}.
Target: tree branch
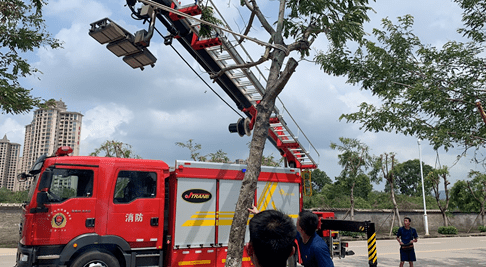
{"type": "Point", "coordinates": [299, 45]}
{"type": "Point", "coordinates": [283, 79]}
{"type": "Point", "coordinates": [248, 27]}
{"type": "Point", "coordinates": [261, 17]}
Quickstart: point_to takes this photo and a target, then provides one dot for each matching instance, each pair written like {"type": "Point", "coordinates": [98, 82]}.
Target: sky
{"type": "Point", "coordinates": [153, 109]}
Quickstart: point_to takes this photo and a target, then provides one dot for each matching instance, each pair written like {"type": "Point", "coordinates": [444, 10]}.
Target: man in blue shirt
{"type": "Point", "coordinates": [406, 236]}
{"type": "Point", "coordinates": [314, 251]}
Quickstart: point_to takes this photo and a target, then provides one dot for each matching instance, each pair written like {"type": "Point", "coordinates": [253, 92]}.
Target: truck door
{"type": "Point", "coordinates": [71, 206]}
{"type": "Point", "coordinates": [135, 211]}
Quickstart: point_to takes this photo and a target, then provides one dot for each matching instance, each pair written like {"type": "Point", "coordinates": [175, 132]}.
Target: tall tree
{"type": "Point", "coordinates": [408, 178]}
{"type": "Point", "coordinates": [218, 156]}
{"type": "Point", "coordinates": [428, 92]}
{"type": "Point", "coordinates": [435, 177]}
{"type": "Point", "coordinates": [384, 168]}
{"type": "Point", "coordinates": [193, 148]}
{"type": "Point", "coordinates": [112, 148]}
{"type": "Point", "coordinates": [473, 18]}
{"type": "Point", "coordinates": [22, 29]}
{"type": "Point", "coordinates": [299, 23]}
{"type": "Point", "coordinates": [470, 196]}
{"type": "Point", "coordinates": [319, 179]}
{"type": "Point", "coordinates": [354, 159]}
{"type": "Point", "coordinates": [462, 199]}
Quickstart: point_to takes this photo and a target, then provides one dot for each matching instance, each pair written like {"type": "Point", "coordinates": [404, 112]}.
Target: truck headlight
{"type": "Point", "coordinates": [24, 257]}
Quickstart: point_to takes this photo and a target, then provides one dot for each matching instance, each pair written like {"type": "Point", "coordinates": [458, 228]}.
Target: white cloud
{"type": "Point", "coordinates": [102, 122]}
{"type": "Point", "coordinates": [15, 131]}
{"type": "Point", "coordinates": [79, 10]}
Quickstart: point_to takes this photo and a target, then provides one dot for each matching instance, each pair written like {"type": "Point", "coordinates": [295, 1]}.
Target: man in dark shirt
{"type": "Point", "coordinates": [313, 250]}
{"type": "Point", "coordinates": [406, 236]}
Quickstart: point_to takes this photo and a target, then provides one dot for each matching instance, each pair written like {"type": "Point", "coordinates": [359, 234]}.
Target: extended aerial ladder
{"type": "Point", "coordinates": [243, 86]}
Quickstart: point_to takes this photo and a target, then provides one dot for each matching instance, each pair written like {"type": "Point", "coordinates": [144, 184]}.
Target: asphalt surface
{"type": "Point", "coordinates": [449, 251]}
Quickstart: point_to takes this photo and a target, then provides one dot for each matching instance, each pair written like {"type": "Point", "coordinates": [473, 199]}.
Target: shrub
{"type": "Point", "coordinates": [395, 230]}
{"type": "Point", "coordinates": [352, 234]}
{"type": "Point", "coordinates": [447, 230]}
{"type": "Point", "coordinates": [482, 228]}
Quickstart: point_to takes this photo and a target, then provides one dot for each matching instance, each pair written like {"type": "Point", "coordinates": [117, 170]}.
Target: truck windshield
{"type": "Point", "coordinates": [70, 183]}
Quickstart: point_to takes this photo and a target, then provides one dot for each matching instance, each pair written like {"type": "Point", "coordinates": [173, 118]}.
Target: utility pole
{"type": "Point", "coordinates": [426, 224]}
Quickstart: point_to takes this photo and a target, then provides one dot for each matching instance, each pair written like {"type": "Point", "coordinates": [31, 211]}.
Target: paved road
{"type": "Point", "coordinates": [454, 251]}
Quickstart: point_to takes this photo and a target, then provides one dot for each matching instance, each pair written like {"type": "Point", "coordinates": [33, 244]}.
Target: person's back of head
{"type": "Point", "coordinates": [308, 221]}
{"type": "Point", "coordinates": [272, 235]}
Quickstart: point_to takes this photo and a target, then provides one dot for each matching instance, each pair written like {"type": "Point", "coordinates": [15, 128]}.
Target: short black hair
{"type": "Point", "coordinates": [407, 218]}
{"type": "Point", "coordinates": [308, 221]}
{"type": "Point", "coordinates": [272, 235]}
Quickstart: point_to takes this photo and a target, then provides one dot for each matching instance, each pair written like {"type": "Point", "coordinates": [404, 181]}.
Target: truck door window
{"type": "Point", "coordinates": [131, 185]}
{"type": "Point", "coordinates": [70, 183]}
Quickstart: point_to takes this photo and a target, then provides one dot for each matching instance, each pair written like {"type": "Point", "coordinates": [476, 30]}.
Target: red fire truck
{"type": "Point", "coordinates": [112, 212]}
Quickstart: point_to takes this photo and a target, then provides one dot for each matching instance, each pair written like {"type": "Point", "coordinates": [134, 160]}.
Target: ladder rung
{"type": "Point", "coordinates": [213, 48]}
{"type": "Point", "coordinates": [236, 75]}
{"type": "Point", "coordinates": [223, 57]}
{"type": "Point", "coordinates": [244, 83]}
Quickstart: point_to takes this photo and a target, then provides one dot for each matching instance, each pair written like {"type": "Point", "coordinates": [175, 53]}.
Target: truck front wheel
{"type": "Point", "coordinates": [95, 259]}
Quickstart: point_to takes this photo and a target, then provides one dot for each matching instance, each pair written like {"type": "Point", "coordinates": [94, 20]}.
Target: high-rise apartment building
{"type": "Point", "coordinates": [50, 129]}
{"type": "Point", "coordinates": [9, 156]}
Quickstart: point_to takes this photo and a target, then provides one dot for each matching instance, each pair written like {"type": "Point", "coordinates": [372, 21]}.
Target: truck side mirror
{"type": "Point", "coordinates": [22, 177]}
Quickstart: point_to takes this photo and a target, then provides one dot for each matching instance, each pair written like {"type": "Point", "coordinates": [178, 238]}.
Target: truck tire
{"type": "Point", "coordinates": [95, 259]}
{"type": "Point", "coordinates": [343, 252]}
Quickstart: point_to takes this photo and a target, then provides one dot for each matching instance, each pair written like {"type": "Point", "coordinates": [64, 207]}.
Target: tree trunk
{"type": "Point", "coordinates": [248, 186]}
{"type": "Point", "coordinates": [392, 224]}
{"type": "Point", "coordinates": [276, 82]}
{"type": "Point", "coordinates": [444, 216]}
{"type": "Point", "coordinates": [482, 214]}
{"type": "Point", "coordinates": [395, 205]}
{"type": "Point", "coordinates": [352, 202]}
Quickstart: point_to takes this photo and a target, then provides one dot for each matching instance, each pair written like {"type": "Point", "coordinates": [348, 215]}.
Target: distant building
{"type": "Point", "coordinates": [9, 157]}
{"type": "Point", "coordinates": [50, 129]}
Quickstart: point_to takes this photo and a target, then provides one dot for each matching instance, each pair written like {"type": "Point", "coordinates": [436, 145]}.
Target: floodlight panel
{"type": "Point", "coordinates": [113, 31]}
{"type": "Point", "coordinates": [146, 58]}
{"type": "Point", "coordinates": [130, 60]}
{"type": "Point", "coordinates": [128, 46]}
{"type": "Point", "coordinates": [99, 36]}
{"type": "Point", "coordinates": [122, 48]}
{"type": "Point", "coordinates": [116, 49]}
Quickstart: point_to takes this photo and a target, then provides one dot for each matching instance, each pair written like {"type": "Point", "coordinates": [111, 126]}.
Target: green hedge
{"type": "Point", "coordinates": [352, 234]}
{"type": "Point", "coordinates": [395, 230]}
{"type": "Point", "coordinates": [482, 228]}
{"type": "Point", "coordinates": [447, 230]}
